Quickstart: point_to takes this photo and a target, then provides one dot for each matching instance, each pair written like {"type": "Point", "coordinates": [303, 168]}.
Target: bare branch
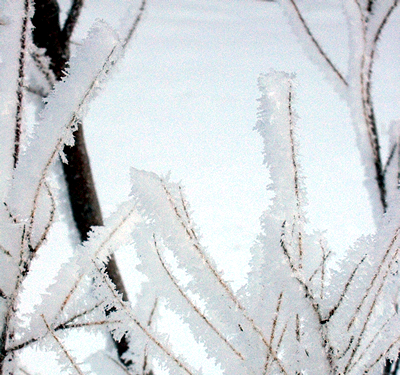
{"type": "Point", "coordinates": [70, 22]}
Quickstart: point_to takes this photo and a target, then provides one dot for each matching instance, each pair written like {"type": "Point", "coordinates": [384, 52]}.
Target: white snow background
{"type": "Point", "coordinates": [184, 99]}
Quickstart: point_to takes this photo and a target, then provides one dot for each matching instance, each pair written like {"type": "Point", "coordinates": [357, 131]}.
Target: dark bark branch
{"type": "Point", "coordinates": [82, 193]}
{"type": "Point", "coordinates": [70, 23]}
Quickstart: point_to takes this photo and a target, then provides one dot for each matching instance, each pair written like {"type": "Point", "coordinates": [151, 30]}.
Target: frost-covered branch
{"type": "Point", "coordinates": [367, 23]}
{"type": "Point", "coordinates": [21, 80]}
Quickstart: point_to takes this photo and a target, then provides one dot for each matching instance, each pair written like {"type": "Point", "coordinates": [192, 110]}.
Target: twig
{"type": "Point", "coordinates": [374, 278]}
{"type": "Point", "coordinates": [274, 323]}
{"type": "Point", "coordinates": [371, 309]}
{"type": "Point", "coordinates": [390, 157]}
{"type": "Point", "coordinates": [196, 245]}
{"type": "Point", "coordinates": [73, 363]}
{"type": "Point", "coordinates": [20, 84]}
{"type": "Point", "coordinates": [120, 365]}
{"type": "Point", "coordinates": [383, 354]}
{"type": "Point", "coordinates": [5, 251]}
{"type": "Point", "coordinates": [142, 327]}
{"type": "Point", "coordinates": [316, 44]}
{"type": "Point", "coordinates": [368, 110]}
{"type": "Point", "coordinates": [43, 66]}
{"type": "Point", "coordinates": [296, 175]}
{"type": "Point", "coordinates": [378, 332]}
{"type": "Point", "coordinates": [192, 305]}
{"type": "Point", "coordinates": [135, 24]}
{"type": "Point", "coordinates": [344, 292]}
{"type": "Point", "coordinates": [49, 222]}
{"type": "Point", "coordinates": [145, 354]}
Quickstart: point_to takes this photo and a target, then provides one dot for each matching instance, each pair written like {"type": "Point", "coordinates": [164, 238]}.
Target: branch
{"type": "Point", "coordinates": [316, 44]}
{"type": "Point", "coordinates": [145, 331]}
{"type": "Point", "coordinates": [72, 361]}
{"type": "Point", "coordinates": [21, 78]}
{"type": "Point", "coordinates": [198, 249]}
{"type": "Point", "coordinates": [192, 305]}
{"type": "Point", "coordinates": [371, 309]}
{"type": "Point", "coordinates": [70, 23]}
{"type": "Point", "coordinates": [296, 174]}
{"type": "Point", "coordinates": [374, 278]}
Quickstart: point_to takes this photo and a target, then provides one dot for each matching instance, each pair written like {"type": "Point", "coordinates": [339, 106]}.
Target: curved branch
{"type": "Point", "coordinates": [316, 44]}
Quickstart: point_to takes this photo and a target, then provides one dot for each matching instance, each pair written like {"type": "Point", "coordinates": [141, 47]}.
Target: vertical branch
{"type": "Point", "coordinates": [20, 86]}
{"type": "Point", "coordinates": [324, 257]}
{"type": "Point", "coordinates": [296, 175]}
{"type": "Point", "coordinates": [272, 336]}
{"type": "Point", "coordinates": [366, 67]}
{"type": "Point", "coordinates": [70, 23]}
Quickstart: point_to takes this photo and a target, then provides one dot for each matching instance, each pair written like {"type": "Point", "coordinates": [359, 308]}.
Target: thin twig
{"type": "Point", "coordinates": [316, 44]}
{"type": "Point", "coordinates": [368, 110]}
{"type": "Point", "coordinates": [390, 157]}
{"type": "Point", "coordinates": [135, 24]}
{"type": "Point", "coordinates": [274, 323]}
{"type": "Point", "coordinates": [120, 365]}
{"type": "Point", "coordinates": [71, 292]}
{"type": "Point", "coordinates": [296, 175]}
{"type": "Point", "coordinates": [42, 64]}
{"type": "Point", "coordinates": [382, 355]}
{"type": "Point", "coordinates": [145, 354]}
{"type": "Point", "coordinates": [59, 145]}
{"type": "Point", "coordinates": [344, 292]}
{"type": "Point", "coordinates": [63, 348]}
{"type": "Point", "coordinates": [65, 325]}
{"type": "Point", "coordinates": [374, 278]}
{"type": "Point", "coordinates": [142, 327]}
{"type": "Point", "coordinates": [5, 251]}
{"type": "Point", "coordinates": [378, 332]}
{"type": "Point", "coordinates": [192, 305]}
{"type": "Point", "coordinates": [49, 222]}
{"type": "Point", "coordinates": [24, 371]}
{"type": "Point", "coordinates": [371, 309]}
{"type": "Point", "coordinates": [196, 245]}
{"type": "Point", "coordinates": [20, 84]}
